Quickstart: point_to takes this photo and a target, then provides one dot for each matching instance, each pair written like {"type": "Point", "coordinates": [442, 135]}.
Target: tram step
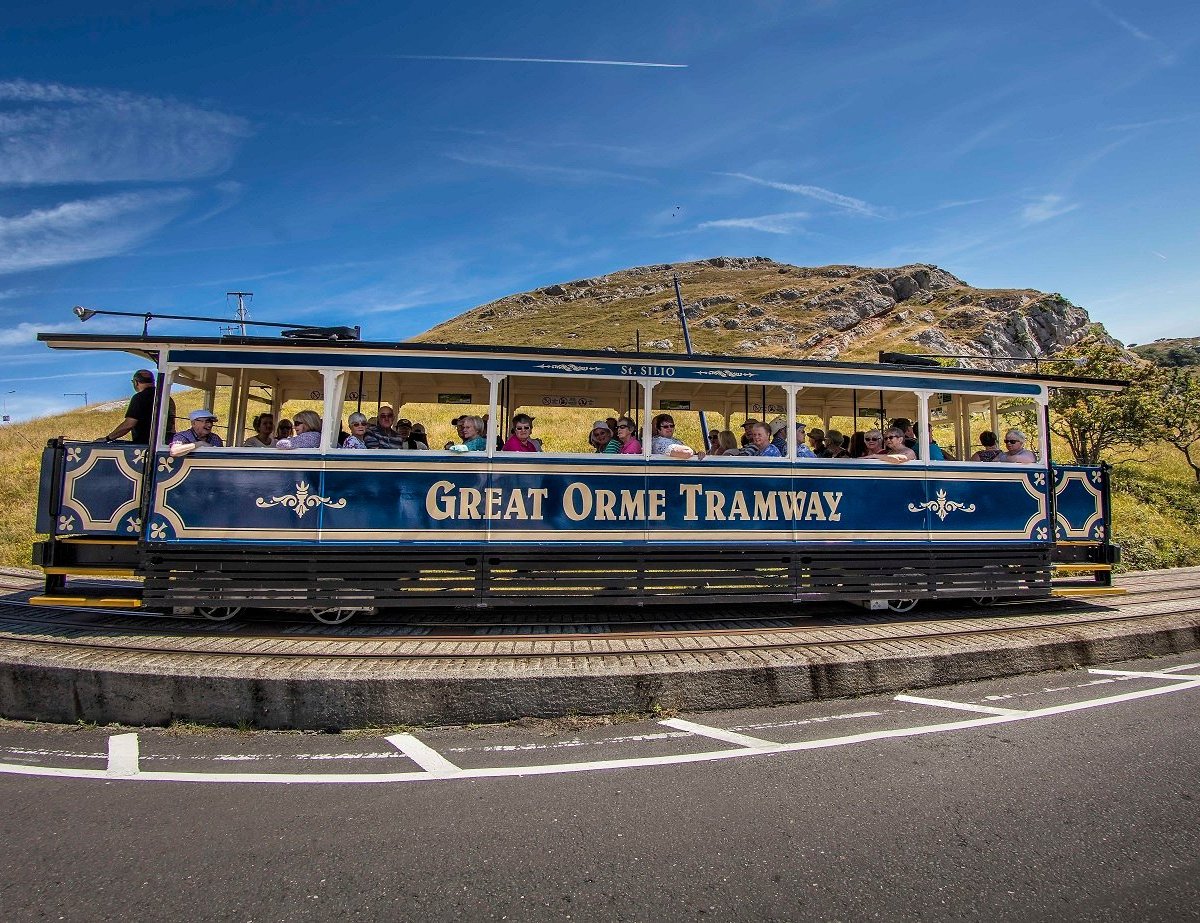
{"type": "Point", "coordinates": [1088, 591]}
{"type": "Point", "coordinates": [115, 598]}
{"type": "Point", "coordinates": [91, 571]}
{"type": "Point", "coordinates": [1081, 568]}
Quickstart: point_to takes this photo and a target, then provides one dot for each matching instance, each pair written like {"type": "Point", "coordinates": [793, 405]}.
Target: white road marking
{"type": "Point", "coordinates": [627, 763]}
{"type": "Point", "coordinates": [1181, 668]}
{"type": "Point", "coordinates": [122, 755]}
{"type": "Point", "coordinates": [1161, 674]}
{"type": "Point", "coordinates": [798, 722]}
{"type": "Point", "coordinates": [964, 706]}
{"type": "Point", "coordinates": [730, 737]}
{"type": "Point", "coordinates": [421, 754]}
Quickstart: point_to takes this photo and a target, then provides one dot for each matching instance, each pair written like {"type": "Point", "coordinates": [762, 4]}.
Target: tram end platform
{"type": "Point", "coordinates": [130, 669]}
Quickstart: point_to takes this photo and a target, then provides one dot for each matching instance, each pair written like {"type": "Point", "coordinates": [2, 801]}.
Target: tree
{"type": "Point", "coordinates": [1177, 416]}
{"type": "Point", "coordinates": [1093, 422]}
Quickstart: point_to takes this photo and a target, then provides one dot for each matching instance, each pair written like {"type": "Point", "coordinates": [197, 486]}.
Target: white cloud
{"type": "Point", "coordinates": [84, 229]}
{"type": "Point", "coordinates": [1047, 207]}
{"type": "Point", "coordinates": [55, 134]}
{"type": "Point", "coordinates": [844, 202]}
{"type": "Point", "coordinates": [439, 57]}
{"type": "Point", "coordinates": [563, 174]}
{"type": "Point", "coordinates": [1164, 56]}
{"type": "Point", "coordinates": [780, 223]}
{"type": "Point", "coordinates": [26, 334]}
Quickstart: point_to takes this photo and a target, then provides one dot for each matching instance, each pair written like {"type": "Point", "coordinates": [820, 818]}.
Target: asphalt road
{"type": "Point", "coordinates": [1073, 815]}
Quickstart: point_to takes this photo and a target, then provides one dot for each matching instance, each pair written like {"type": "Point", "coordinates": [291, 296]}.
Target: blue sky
{"type": "Point", "coordinates": [359, 162]}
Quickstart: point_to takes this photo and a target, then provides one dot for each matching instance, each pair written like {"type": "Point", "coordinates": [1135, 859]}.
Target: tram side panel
{"type": "Point", "coordinates": [372, 529]}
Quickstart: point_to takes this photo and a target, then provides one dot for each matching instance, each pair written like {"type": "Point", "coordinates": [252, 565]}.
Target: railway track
{"type": "Point", "coordinates": [435, 634]}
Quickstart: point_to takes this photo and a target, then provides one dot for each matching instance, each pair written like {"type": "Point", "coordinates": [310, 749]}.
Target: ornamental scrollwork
{"type": "Point", "coordinates": [570, 367]}
{"type": "Point", "coordinates": [726, 373]}
{"type": "Point", "coordinates": [66, 523]}
{"type": "Point", "coordinates": [301, 501]}
{"type": "Point", "coordinates": [134, 524]}
{"type": "Point", "coordinates": [74, 454]}
{"type": "Point", "coordinates": [941, 506]}
{"type": "Point", "coordinates": [166, 464]}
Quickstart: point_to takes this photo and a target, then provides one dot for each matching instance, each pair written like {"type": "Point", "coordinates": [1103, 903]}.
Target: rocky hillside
{"type": "Point", "coordinates": [1183, 352]}
{"type": "Point", "coordinates": [739, 305]}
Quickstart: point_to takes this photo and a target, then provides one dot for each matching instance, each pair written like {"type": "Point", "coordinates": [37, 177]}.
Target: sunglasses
{"type": "Point", "coordinates": [623, 426]}
{"type": "Point", "coordinates": [1011, 441]}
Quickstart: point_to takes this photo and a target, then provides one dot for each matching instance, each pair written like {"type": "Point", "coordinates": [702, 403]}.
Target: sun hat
{"type": "Point", "coordinates": [202, 415]}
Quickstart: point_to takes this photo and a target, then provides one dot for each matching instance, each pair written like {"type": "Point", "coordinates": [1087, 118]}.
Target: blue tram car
{"type": "Point", "coordinates": [337, 531]}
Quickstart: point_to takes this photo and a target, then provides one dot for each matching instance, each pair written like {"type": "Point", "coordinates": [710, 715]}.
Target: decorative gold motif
{"type": "Point", "coordinates": [941, 506]}
{"type": "Point", "coordinates": [301, 501]}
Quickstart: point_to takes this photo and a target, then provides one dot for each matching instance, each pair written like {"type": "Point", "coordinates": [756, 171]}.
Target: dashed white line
{"type": "Point", "coordinates": [962, 706]}
{"type": "Point", "coordinates": [730, 737]}
{"type": "Point", "coordinates": [1159, 674]}
{"type": "Point", "coordinates": [421, 753]}
{"type": "Point", "coordinates": [122, 755]}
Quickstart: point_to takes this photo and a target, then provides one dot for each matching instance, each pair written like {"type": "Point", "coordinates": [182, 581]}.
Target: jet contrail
{"type": "Point", "coordinates": [440, 57]}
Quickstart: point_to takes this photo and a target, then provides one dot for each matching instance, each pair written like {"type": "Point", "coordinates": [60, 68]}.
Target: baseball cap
{"type": "Point", "coordinates": [202, 415]}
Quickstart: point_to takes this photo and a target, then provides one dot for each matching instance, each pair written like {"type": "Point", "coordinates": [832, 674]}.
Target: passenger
{"type": "Point", "coordinates": [935, 450]}
{"type": "Point", "coordinates": [834, 445]}
{"type": "Point", "coordinates": [308, 433]}
{"type": "Point", "coordinates": [761, 443]}
{"type": "Point", "coordinates": [873, 439]}
{"type": "Point", "coordinates": [358, 429]}
{"type": "Point", "coordinates": [283, 429]}
{"type": "Point", "coordinates": [407, 438]}
{"type": "Point", "coordinates": [746, 431]}
{"type": "Point", "coordinates": [894, 449]}
{"type": "Point", "coordinates": [778, 435]}
{"type": "Point", "coordinates": [470, 430]}
{"type": "Point", "coordinates": [989, 452]}
{"type": "Point", "coordinates": [1014, 449]}
{"type": "Point", "coordinates": [627, 436]}
{"type": "Point", "coordinates": [714, 442]}
{"type": "Point", "coordinates": [727, 443]}
{"type": "Point", "coordinates": [601, 438]}
{"type": "Point", "coordinates": [905, 425]}
{"type": "Point", "coordinates": [139, 414]}
{"type": "Point", "coordinates": [199, 434]}
{"type": "Point", "coordinates": [521, 439]}
{"type": "Point", "coordinates": [381, 435]}
{"type": "Point", "coordinates": [816, 442]}
{"type": "Point", "coordinates": [418, 432]}
{"type": "Point", "coordinates": [264, 426]}
{"type": "Point", "coordinates": [665, 443]}
{"type": "Point", "coordinates": [858, 445]}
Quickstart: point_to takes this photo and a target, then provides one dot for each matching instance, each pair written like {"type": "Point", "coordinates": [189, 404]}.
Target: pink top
{"type": "Point", "coordinates": [516, 445]}
{"type": "Point", "coordinates": [632, 447]}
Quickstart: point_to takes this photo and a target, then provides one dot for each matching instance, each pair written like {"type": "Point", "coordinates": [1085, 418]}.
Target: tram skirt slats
{"type": "Point", "coordinates": [392, 576]}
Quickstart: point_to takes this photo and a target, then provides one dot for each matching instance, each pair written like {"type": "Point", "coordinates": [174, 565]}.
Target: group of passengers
{"type": "Point", "coordinates": [896, 444]}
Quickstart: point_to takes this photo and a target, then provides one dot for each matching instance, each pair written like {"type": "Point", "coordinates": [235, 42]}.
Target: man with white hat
{"type": "Point", "coordinates": [198, 434]}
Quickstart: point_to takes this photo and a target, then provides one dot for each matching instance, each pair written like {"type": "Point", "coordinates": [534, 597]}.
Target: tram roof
{"type": "Point", "coordinates": [151, 346]}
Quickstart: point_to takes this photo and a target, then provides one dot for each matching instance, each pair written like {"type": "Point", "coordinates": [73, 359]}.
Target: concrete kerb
{"type": "Point", "coordinates": [39, 688]}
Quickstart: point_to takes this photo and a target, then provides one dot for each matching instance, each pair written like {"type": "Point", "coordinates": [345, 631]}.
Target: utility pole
{"type": "Point", "coordinates": [242, 316]}
{"type": "Point", "coordinates": [82, 394]}
{"type": "Point", "coordinates": [6, 417]}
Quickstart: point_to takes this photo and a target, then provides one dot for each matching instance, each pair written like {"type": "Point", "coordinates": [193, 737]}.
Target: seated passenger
{"type": "Point", "coordinates": [714, 442]}
{"type": "Point", "coordinates": [601, 438]}
{"type": "Point", "coordinates": [1014, 449]}
{"type": "Point", "coordinates": [283, 429]}
{"type": "Point", "coordinates": [894, 450]}
{"type": "Point", "coordinates": [521, 439]}
{"type": "Point", "coordinates": [380, 434]}
{"type": "Point", "coordinates": [664, 442]}
{"type": "Point", "coordinates": [627, 435]}
{"type": "Point", "coordinates": [358, 429]}
{"type": "Point", "coordinates": [308, 432]}
{"type": "Point", "coordinates": [470, 430]}
{"type": "Point", "coordinates": [834, 445]}
{"type": "Point", "coordinates": [907, 431]}
{"type": "Point", "coordinates": [935, 450]}
{"type": "Point", "coordinates": [858, 445]}
{"type": "Point", "coordinates": [264, 427]}
{"type": "Point", "coordinates": [199, 434]}
{"type": "Point", "coordinates": [727, 443]}
{"type": "Point", "coordinates": [407, 438]}
{"type": "Point", "coordinates": [745, 439]}
{"type": "Point", "coordinates": [989, 452]}
{"type": "Point", "coordinates": [761, 443]}
{"type": "Point", "coordinates": [816, 442]}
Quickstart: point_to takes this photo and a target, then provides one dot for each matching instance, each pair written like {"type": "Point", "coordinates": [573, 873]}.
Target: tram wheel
{"type": "Point", "coordinates": [218, 613]}
{"type": "Point", "coordinates": [333, 615]}
{"type": "Point", "coordinates": [902, 605]}
{"type": "Point", "coordinates": [984, 600]}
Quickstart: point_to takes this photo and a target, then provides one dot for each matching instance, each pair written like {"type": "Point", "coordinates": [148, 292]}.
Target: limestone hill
{"type": "Point", "coordinates": [739, 305]}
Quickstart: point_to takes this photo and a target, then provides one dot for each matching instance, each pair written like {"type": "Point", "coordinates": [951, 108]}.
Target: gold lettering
{"type": "Point", "coordinates": [605, 501]}
{"type": "Point", "coordinates": [737, 509]}
{"type": "Point", "coordinates": [815, 510]}
{"type": "Point", "coordinates": [469, 499]}
{"type": "Point", "coordinates": [792, 502]}
{"type": "Point", "coordinates": [833, 498]}
{"type": "Point", "coordinates": [537, 495]}
{"type": "Point", "coordinates": [439, 504]}
{"type": "Point", "coordinates": [764, 504]}
{"type": "Point", "coordinates": [689, 492]}
{"type": "Point", "coordinates": [494, 496]}
{"type": "Point", "coordinates": [658, 505]}
{"type": "Point", "coordinates": [577, 502]}
{"type": "Point", "coordinates": [714, 503]}
{"type": "Point", "coordinates": [633, 504]}
{"type": "Point", "coordinates": [516, 506]}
